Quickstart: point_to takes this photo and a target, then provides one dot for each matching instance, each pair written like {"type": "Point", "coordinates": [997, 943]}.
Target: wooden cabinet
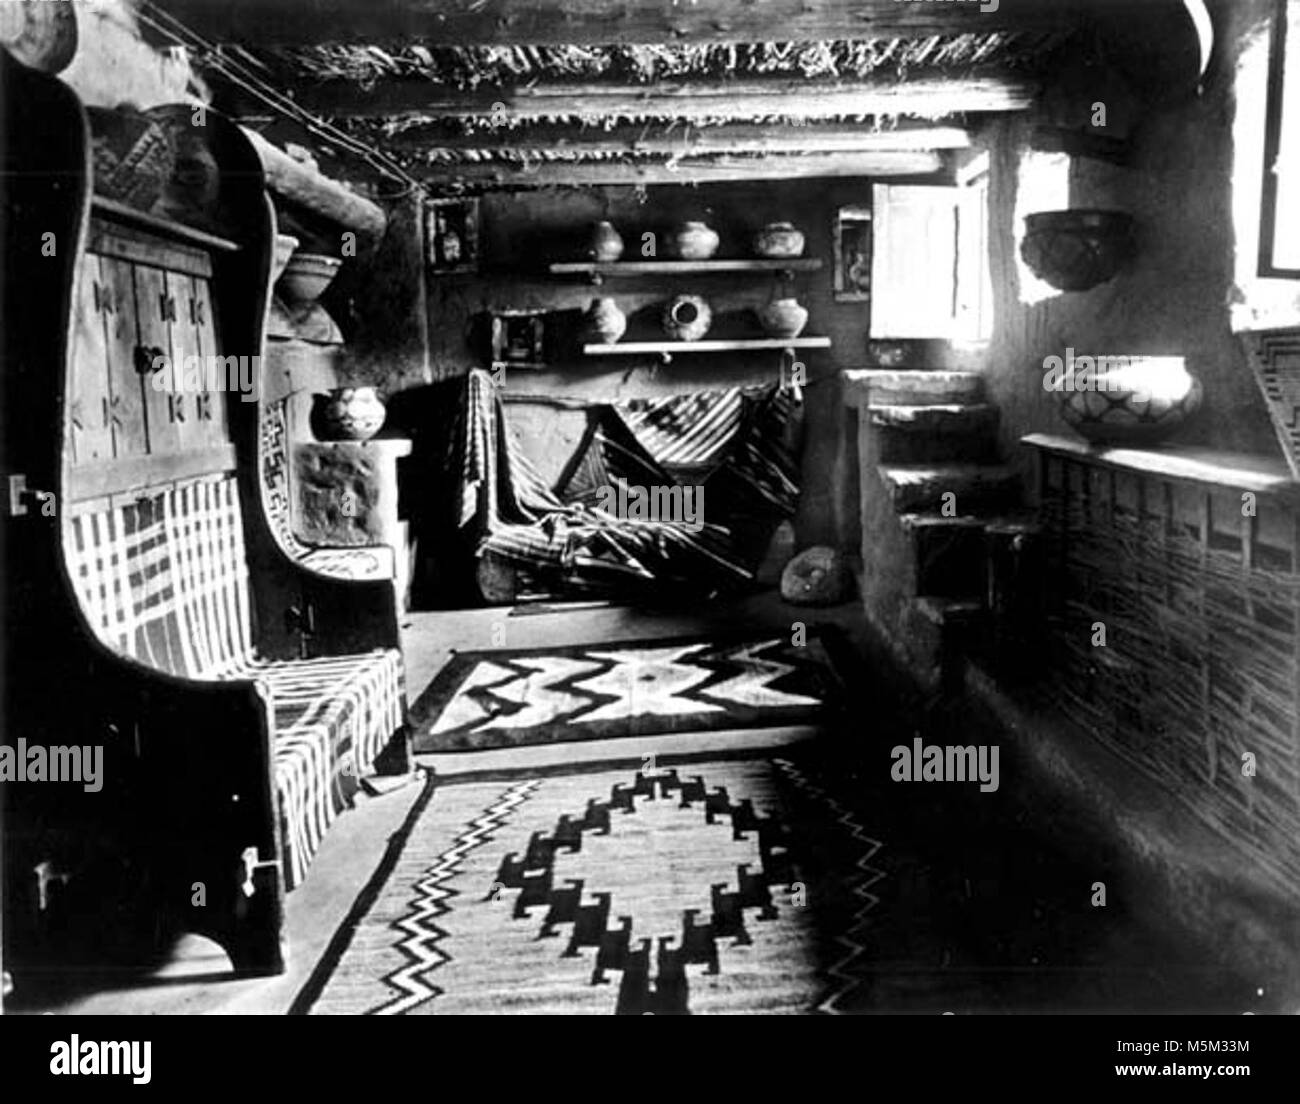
{"type": "Point", "coordinates": [140, 296]}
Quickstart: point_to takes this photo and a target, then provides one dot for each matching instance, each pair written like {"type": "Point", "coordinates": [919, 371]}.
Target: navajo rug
{"type": "Point", "coordinates": [738, 883]}
{"type": "Point", "coordinates": [506, 698]}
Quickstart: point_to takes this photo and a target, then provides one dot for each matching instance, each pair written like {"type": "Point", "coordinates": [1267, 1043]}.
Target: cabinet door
{"type": "Point", "coordinates": [188, 354]}
{"type": "Point", "coordinates": [125, 383]}
{"type": "Point", "coordinates": [89, 431]}
{"type": "Point", "coordinates": [212, 415]}
{"type": "Point", "coordinates": [165, 407]}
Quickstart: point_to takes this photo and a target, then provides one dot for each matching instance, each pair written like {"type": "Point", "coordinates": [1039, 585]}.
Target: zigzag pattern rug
{"type": "Point", "coordinates": [493, 699]}
{"type": "Point", "coordinates": [729, 885]}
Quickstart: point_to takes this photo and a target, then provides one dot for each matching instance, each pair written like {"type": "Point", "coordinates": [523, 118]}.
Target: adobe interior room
{"type": "Point", "coordinates": [576, 507]}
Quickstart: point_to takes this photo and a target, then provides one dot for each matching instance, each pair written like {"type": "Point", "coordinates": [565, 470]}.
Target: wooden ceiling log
{"type": "Point", "coordinates": [686, 171]}
{"type": "Point", "coordinates": [929, 97]}
{"type": "Point", "coordinates": [559, 22]}
{"type": "Point", "coordinates": [317, 193]}
{"type": "Point", "coordinates": [675, 141]}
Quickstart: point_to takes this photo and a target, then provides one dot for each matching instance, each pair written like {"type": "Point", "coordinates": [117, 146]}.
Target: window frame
{"type": "Point", "coordinates": [1273, 144]}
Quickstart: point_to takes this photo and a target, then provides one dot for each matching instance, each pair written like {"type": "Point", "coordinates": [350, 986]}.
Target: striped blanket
{"type": "Point", "coordinates": [732, 443]}
{"type": "Point", "coordinates": [164, 581]}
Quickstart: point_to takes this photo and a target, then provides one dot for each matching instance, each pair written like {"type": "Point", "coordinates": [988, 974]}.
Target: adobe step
{"type": "Point", "coordinates": [864, 387]}
{"type": "Point", "coordinates": [934, 432]}
{"type": "Point", "coordinates": [919, 488]}
{"type": "Point", "coordinates": [947, 553]}
{"type": "Point", "coordinates": [939, 632]}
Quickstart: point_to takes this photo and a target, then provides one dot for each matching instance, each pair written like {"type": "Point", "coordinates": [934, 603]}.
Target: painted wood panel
{"type": "Point", "coordinates": [215, 421]}
{"type": "Point", "coordinates": [126, 384]}
{"type": "Point", "coordinates": [165, 410]}
{"type": "Point", "coordinates": [90, 434]}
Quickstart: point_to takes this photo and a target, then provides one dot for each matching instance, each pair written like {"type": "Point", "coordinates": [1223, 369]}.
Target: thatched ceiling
{"type": "Point", "coordinates": [437, 85]}
{"type": "Point", "coordinates": [473, 67]}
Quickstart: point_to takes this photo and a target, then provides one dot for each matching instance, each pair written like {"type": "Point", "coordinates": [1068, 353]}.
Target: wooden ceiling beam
{"type": "Point", "coordinates": [613, 22]}
{"type": "Point", "coordinates": [678, 142]}
{"type": "Point", "coordinates": [926, 97]}
{"type": "Point", "coordinates": [687, 171]}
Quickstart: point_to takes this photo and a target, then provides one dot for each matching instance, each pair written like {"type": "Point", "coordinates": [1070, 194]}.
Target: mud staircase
{"type": "Point", "coordinates": [944, 531]}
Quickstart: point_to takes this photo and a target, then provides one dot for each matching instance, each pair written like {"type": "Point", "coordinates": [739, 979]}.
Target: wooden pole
{"type": "Point", "coordinates": [538, 174]}
{"type": "Point", "coordinates": [317, 193]}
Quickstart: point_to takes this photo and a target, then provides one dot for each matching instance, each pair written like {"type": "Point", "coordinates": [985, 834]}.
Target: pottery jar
{"type": "Point", "coordinates": [351, 414]}
{"type": "Point", "coordinates": [694, 241]}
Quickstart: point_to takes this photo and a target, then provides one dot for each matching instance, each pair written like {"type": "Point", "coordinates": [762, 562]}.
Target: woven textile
{"type": "Point", "coordinates": [369, 562]}
{"type": "Point", "coordinates": [632, 688]}
{"type": "Point", "coordinates": [164, 580]}
{"type": "Point", "coordinates": [505, 508]}
{"type": "Point", "coordinates": [728, 885]}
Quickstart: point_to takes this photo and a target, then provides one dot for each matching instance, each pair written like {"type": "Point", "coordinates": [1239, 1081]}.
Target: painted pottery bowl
{"type": "Point", "coordinates": [1139, 401]}
{"type": "Point", "coordinates": [1077, 249]}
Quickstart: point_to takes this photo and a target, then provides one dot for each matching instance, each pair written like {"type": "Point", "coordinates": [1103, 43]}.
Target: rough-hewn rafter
{"type": "Point", "coordinates": [606, 22]}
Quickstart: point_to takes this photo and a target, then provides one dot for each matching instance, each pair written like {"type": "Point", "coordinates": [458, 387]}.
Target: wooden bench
{"type": "Point", "coordinates": [237, 695]}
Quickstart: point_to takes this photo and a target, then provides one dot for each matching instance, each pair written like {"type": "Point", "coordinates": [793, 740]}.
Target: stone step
{"type": "Point", "coordinates": [864, 387]}
{"type": "Point", "coordinates": [934, 432]}
{"type": "Point", "coordinates": [920, 488]}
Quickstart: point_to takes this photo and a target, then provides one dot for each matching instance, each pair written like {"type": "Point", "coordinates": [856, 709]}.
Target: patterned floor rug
{"type": "Point", "coordinates": [734, 884]}
{"type": "Point", "coordinates": [637, 688]}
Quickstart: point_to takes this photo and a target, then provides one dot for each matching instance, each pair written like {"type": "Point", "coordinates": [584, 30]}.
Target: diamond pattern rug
{"type": "Point", "coordinates": [733, 884]}
{"type": "Point", "coordinates": [505, 698]}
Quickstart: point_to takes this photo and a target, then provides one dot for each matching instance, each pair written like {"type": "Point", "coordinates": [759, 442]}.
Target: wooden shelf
{"type": "Point", "coordinates": [626, 269]}
{"type": "Point", "coordinates": [1264, 474]}
{"type": "Point", "coordinates": [668, 348]}
{"type": "Point", "coordinates": [120, 212]}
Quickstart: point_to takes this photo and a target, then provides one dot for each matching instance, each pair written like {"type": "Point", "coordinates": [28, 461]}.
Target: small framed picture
{"type": "Point", "coordinates": [518, 339]}
{"type": "Point", "coordinates": [451, 234]}
{"type": "Point", "coordinates": [851, 238]}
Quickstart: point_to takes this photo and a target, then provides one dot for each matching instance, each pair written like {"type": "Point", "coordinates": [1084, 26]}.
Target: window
{"type": "Point", "coordinates": [930, 260]}
{"type": "Point", "coordinates": [1279, 239]}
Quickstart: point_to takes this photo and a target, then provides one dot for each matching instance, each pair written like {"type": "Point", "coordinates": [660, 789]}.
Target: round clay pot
{"type": "Point", "coordinates": [687, 318]}
{"type": "Point", "coordinates": [694, 241]}
{"type": "Point", "coordinates": [307, 275]}
{"type": "Point", "coordinates": [1077, 249]}
{"type": "Point", "coordinates": [1138, 402]}
{"type": "Point", "coordinates": [350, 414]}
{"type": "Point", "coordinates": [606, 245]}
{"type": "Point", "coordinates": [779, 239]}
{"type": "Point", "coordinates": [603, 323]}
{"type": "Point", "coordinates": [783, 318]}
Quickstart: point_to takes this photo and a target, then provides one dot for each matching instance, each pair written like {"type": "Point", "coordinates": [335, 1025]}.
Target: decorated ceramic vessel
{"type": "Point", "coordinates": [694, 241]}
{"type": "Point", "coordinates": [603, 323]}
{"type": "Point", "coordinates": [687, 318]}
{"type": "Point", "coordinates": [779, 239]}
{"type": "Point", "coordinates": [351, 414]}
{"type": "Point", "coordinates": [783, 317]}
{"type": "Point", "coordinates": [1138, 401]}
